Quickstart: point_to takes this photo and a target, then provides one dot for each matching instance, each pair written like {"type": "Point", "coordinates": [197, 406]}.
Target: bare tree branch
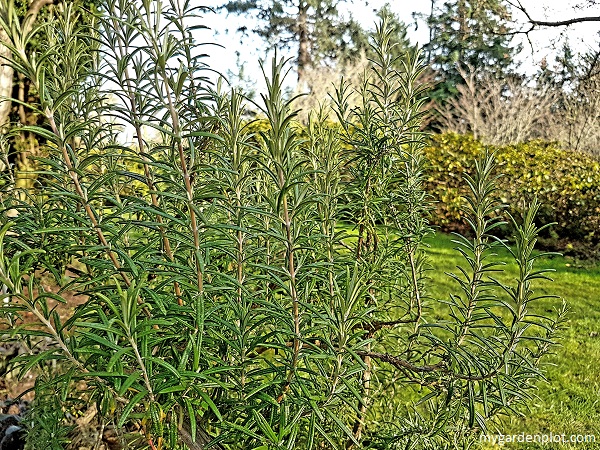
{"type": "Point", "coordinates": [551, 23]}
{"type": "Point", "coordinates": [561, 23]}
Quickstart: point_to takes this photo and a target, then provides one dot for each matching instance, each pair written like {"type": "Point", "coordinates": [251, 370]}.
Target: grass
{"type": "Point", "coordinates": [569, 401]}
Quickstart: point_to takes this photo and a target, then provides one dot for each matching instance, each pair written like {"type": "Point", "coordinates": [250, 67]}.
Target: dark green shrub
{"type": "Point", "coordinates": [567, 184]}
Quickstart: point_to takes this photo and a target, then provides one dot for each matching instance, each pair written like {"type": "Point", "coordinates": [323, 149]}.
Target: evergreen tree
{"type": "Point", "coordinates": [314, 26]}
{"type": "Point", "coordinates": [350, 63]}
{"type": "Point", "coordinates": [469, 33]}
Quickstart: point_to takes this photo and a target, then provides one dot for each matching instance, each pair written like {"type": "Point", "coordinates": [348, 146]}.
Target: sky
{"type": "Point", "coordinates": [235, 50]}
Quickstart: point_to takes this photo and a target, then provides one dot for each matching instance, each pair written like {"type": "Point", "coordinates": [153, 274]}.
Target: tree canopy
{"type": "Point", "coordinates": [469, 33]}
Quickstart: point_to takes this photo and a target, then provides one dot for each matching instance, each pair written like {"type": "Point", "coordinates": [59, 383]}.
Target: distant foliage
{"type": "Point", "coordinates": [574, 78]}
{"type": "Point", "coordinates": [472, 32]}
{"type": "Point", "coordinates": [566, 183]}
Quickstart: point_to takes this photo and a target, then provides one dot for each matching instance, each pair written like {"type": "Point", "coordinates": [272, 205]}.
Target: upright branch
{"type": "Point", "coordinates": [480, 206]}
{"type": "Point", "coordinates": [285, 170]}
{"type": "Point", "coordinates": [31, 68]}
{"type": "Point", "coordinates": [114, 31]}
{"type": "Point", "coordinates": [160, 48]}
{"type": "Point", "coordinates": [383, 132]}
{"type": "Point", "coordinates": [73, 174]}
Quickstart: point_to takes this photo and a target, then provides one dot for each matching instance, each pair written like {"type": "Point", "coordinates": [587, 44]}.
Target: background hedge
{"type": "Point", "coordinates": [566, 183]}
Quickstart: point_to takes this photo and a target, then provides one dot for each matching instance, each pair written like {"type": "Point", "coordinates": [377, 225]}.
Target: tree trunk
{"type": "Point", "coordinates": [463, 28]}
{"type": "Point", "coordinates": [303, 41]}
{"type": "Point", "coordinates": [6, 81]}
{"type": "Point", "coordinates": [26, 145]}
{"type": "Point", "coordinates": [6, 87]}
{"type": "Point", "coordinates": [431, 32]}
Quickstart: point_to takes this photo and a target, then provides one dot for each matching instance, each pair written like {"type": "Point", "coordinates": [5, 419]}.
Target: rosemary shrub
{"type": "Point", "coordinates": [252, 292]}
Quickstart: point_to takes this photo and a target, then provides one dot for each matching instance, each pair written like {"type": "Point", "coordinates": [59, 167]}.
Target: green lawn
{"type": "Point", "coordinates": [569, 402]}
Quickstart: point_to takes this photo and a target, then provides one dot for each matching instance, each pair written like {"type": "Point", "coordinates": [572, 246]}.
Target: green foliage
{"type": "Point", "coordinates": [45, 421]}
{"type": "Point", "coordinates": [567, 184]}
{"type": "Point", "coordinates": [567, 401]}
{"type": "Point", "coordinates": [315, 26]}
{"type": "Point", "coordinates": [399, 36]}
{"type": "Point", "coordinates": [25, 15]}
{"type": "Point", "coordinates": [284, 23]}
{"type": "Point", "coordinates": [229, 305]}
{"type": "Point", "coordinates": [472, 34]}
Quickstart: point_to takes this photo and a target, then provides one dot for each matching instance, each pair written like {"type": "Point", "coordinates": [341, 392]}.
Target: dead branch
{"type": "Point", "coordinates": [551, 23]}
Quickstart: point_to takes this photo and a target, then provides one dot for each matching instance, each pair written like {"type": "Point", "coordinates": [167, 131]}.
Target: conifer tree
{"type": "Point", "coordinates": [314, 27]}
{"type": "Point", "coordinates": [473, 34]}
